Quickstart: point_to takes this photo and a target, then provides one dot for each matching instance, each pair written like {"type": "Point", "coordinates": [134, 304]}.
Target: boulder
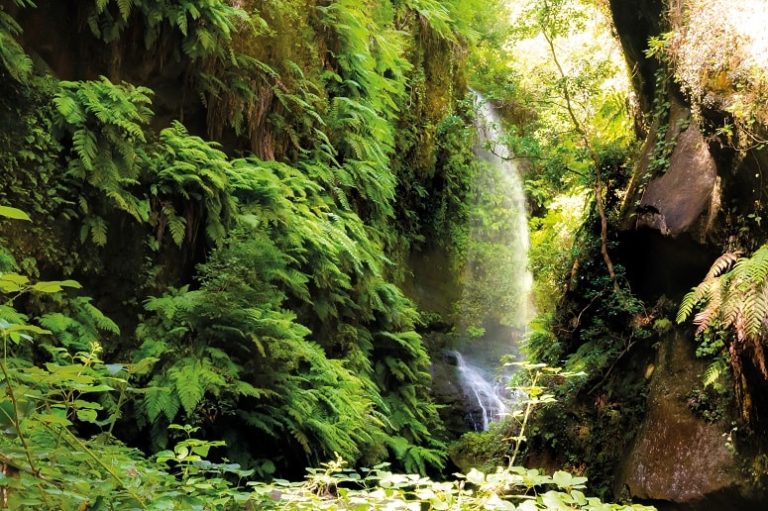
{"type": "Point", "coordinates": [676, 201]}
{"type": "Point", "coordinates": [676, 456]}
{"type": "Point", "coordinates": [447, 392]}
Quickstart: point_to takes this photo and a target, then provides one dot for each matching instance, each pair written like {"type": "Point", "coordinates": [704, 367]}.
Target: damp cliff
{"type": "Point", "coordinates": [695, 192]}
{"type": "Point", "coordinates": [669, 415]}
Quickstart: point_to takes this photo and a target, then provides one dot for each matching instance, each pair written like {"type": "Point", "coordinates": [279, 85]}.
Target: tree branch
{"type": "Point", "coordinates": [577, 125]}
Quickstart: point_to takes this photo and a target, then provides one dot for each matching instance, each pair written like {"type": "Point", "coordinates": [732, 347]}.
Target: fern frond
{"type": "Point", "coordinates": [722, 265]}
{"type": "Point", "coordinates": [733, 295]}
{"type": "Point", "coordinates": [188, 385]}
{"type": "Point", "coordinates": [160, 401]}
{"type": "Point", "coordinates": [714, 372]}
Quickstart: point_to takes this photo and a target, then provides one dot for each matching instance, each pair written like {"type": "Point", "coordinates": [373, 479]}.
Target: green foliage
{"type": "Point", "coordinates": [352, 134]}
{"type": "Point", "coordinates": [14, 213]}
{"type": "Point", "coordinates": [483, 450]}
{"type": "Point", "coordinates": [104, 122]}
{"type": "Point", "coordinates": [709, 404]}
{"type": "Point", "coordinates": [662, 149]}
{"type": "Point", "coordinates": [435, 175]}
{"type": "Point", "coordinates": [730, 319]}
{"type": "Point", "coordinates": [189, 187]}
{"type": "Point", "coordinates": [436, 15]}
{"type": "Point", "coordinates": [497, 221]}
{"type": "Point", "coordinates": [608, 335]}
{"type": "Point", "coordinates": [730, 296]}
{"type": "Point", "coordinates": [334, 487]}
{"type": "Point", "coordinates": [13, 58]}
{"type": "Point", "coordinates": [554, 250]}
{"type": "Point", "coordinates": [232, 349]}
{"type": "Point", "coordinates": [537, 376]}
{"type": "Point", "coordinates": [205, 26]}
{"type": "Point", "coordinates": [200, 374]}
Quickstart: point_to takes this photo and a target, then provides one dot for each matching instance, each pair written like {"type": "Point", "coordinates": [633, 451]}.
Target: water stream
{"type": "Point", "coordinates": [498, 275]}
{"type": "Point", "coordinates": [486, 399]}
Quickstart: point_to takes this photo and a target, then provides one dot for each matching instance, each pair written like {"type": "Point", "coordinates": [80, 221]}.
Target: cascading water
{"type": "Point", "coordinates": [486, 401]}
{"type": "Point", "coordinates": [491, 149]}
{"type": "Point", "coordinates": [498, 275]}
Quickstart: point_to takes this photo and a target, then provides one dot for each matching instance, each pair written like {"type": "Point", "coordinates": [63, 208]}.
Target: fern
{"type": "Point", "coordinates": [288, 238]}
{"type": "Point", "coordinates": [732, 295]}
{"type": "Point", "coordinates": [734, 298]}
{"type": "Point", "coordinates": [158, 401]}
{"type": "Point", "coordinates": [104, 121]}
{"type": "Point", "coordinates": [94, 228]}
{"type": "Point", "coordinates": [205, 27]}
{"type": "Point", "coordinates": [715, 372]}
{"type": "Point", "coordinates": [189, 171]}
{"type": "Point", "coordinates": [79, 325]}
{"type": "Point", "coordinates": [13, 58]}
{"type": "Point", "coordinates": [436, 16]}
{"type": "Point", "coordinates": [188, 383]}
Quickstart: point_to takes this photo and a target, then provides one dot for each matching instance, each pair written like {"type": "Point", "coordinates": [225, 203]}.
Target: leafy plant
{"type": "Point", "coordinates": [732, 298]}
{"type": "Point", "coordinates": [515, 488]}
{"type": "Point", "coordinates": [731, 315]}
{"type": "Point", "coordinates": [535, 394]}
{"type": "Point", "coordinates": [189, 187]}
{"type": "Point", "coordinates": [104, 123]}
{"type": "Point", "coordinates": [205, 26]}
{"type": "Point", "coordinates": [14, 59]}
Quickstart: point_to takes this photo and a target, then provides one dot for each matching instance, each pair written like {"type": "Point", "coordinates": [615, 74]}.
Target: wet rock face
{"type": "Point", "coordinates": [677, 457]}
{"type": "Point", "coordinates": [636, 21]}
{"type": "Point", "coordinates": [447, 391]}
{"type": "Point", "coordinates": [433, 284]}
{"type": "Point", "coordinates": [678, 201]}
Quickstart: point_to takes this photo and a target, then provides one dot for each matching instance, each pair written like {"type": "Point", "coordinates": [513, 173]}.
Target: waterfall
{"type": "Point", "coordinates": [497, 274]}
{"type": "Point", "coordinates": [482, 395]}
{"type": "Point", "coordinates": [491, 149]}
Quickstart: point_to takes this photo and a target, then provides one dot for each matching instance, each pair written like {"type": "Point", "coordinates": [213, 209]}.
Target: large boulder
{"type": "Point", "coordinates": [685, 197]}
{"type": "Point", "coordinates": [676, 456]}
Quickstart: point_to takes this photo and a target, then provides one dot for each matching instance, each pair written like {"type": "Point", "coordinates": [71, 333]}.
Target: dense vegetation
{"type": "Point", "coordinates": [244, 287]}
{"type": "Point", "coordinates": [210, 212]}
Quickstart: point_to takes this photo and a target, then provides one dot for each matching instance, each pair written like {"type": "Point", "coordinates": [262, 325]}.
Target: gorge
{"type": "Point", "coordinates": [383, 254]}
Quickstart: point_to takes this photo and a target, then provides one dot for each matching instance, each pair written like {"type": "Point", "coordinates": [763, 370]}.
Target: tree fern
{"type": "Point", "coordinates": [721, 265]}
{"type": "Point", "coordinates": [734, 298]}
{"type": "Point", "coordinates": [732, 295]}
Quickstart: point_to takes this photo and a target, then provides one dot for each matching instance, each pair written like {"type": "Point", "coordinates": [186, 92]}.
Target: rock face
{"type": "Point", "coordinates": [676, 456]}
{"type": "Point", "coordinates": [433, 285]}
{"type": "Point", "coordinates": [447, 391]}
{"type": "Point", "coordinates": [676, 201]}
{"type": "Point", "coordinates": [636, 21]}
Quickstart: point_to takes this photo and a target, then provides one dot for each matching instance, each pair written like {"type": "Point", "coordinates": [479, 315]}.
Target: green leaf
{"type": "Point", "coordinates": [47, 287]}
{"type": "Point", "coordinates": [14, 213]}
{"type": "Point", "coordinates": [24, 328]}
{"type": "Point", "coordinates": [54, 286]}
{"type": "Point", "coordinates": [12, 282]}
{"type": "Point", "coordinates": [474, 476]}
{"type": "Point", "coordinates": [88, 415]}
{"type": "Point", "coordinates": [562, 479]}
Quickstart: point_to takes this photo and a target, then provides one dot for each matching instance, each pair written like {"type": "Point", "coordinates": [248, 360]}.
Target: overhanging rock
{"type": "Point", "coordinates": [676, 202]}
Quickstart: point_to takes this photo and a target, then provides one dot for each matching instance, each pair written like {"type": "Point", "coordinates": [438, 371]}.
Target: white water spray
{"type": "Point", "coordinates": [482, 394]}
{"type": "Point", "coordinates": [503, 278]}
{"type": "Point", "coordinates": [490, 148]}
